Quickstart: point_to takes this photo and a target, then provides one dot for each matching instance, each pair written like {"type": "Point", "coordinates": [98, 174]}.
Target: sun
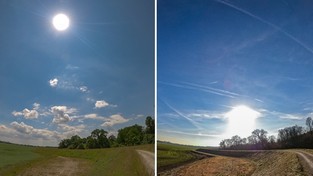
{"type": "Point", "coordinates": [241, 121]}
{"type": "Point", "coordinates": [61, 22]}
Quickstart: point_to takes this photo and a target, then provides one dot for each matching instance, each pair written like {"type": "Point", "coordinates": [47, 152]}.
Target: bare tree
{"type": "Point", "coordinates": [309, 123]}
{"type": "Point", "coordinates": [260, 134]}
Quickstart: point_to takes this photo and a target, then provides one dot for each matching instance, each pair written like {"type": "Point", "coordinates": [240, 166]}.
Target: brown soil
{"type": "Point", "coordinates": [255, 163]}
{"type": "Point", "coordinates": [59, 166]}
{"type": "Point", "coordinates": [214, 166]}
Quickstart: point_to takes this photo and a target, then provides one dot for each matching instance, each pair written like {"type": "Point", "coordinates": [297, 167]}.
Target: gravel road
{"type": "Point", "coordinates": [148, 159]}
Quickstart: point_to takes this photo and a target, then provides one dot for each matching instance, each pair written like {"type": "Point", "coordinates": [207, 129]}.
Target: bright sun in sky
{"type": "Point", "coordinates": [61, 22]}
{"type": "Point", "coordinates": [241, 121]}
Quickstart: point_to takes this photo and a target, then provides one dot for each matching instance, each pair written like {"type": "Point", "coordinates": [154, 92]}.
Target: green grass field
{"type": "Point", "coordinates": [170, 154]}
{"type": "Point", "coordinates": [12, 155]}
{"type": "Point", "coordinates": [112, 161]}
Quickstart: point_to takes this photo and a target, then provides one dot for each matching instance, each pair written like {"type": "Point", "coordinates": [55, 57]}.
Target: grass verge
{"type": "Point", "coordinates": [171, 154]}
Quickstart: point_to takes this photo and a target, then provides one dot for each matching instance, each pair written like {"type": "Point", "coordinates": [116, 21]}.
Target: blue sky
{"type": "Point", "coordinates": [99, 73]}
{"type": "Point", "coordinates": [215, 56]}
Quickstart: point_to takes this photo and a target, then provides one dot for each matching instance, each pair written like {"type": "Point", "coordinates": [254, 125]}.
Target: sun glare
{"type": "Point", "coordinates": [241, 121]}
{"type": "Point", "coordinates": [61, 22]}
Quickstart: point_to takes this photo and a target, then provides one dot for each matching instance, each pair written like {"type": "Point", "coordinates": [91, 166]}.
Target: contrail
{"type": "Point", "coordinates": [198, 88]}
{"type": "Point", "coordinates": [212, 89]}
{"type": "Point", "coordinates": [182, 115]}
{"type": "Point", "coordinates": [268, 23]}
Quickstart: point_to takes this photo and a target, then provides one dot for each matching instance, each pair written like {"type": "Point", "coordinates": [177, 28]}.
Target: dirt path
{"type": "Point", "coordinates": [306, 160]}
{"type": "Point", "coordinates": [148, 159]}
{"type": "Point", "coordinates": [59, 166]}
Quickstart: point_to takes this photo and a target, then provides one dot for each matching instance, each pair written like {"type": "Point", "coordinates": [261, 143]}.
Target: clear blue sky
{"type": "Point", "coordinates": [99, 73]}
{"type": "Point", "coordinates": [215, 56]}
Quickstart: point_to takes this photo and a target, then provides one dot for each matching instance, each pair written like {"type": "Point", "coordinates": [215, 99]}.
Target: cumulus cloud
{"type": "Point", "coordinates": [62, 114]}
{"type": "Point", "coordinates": [37, 133]}
{"type": "Point", "coordinates": [16, 113]}
{"type": "Point", "coordinates": [53, 82]}
{"type": "Point", "coordinates": [5, 131]}
{"type": "Point", "coordinates": [28, 114]}
{"type": "Point", "coordinates": [101, 104]}
{"type": "Point", "coordinates": [114, 119]}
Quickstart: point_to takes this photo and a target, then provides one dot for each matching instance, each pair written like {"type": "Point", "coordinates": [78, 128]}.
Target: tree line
{"type": "Point", "coordinates": [289, 137]}
{"type": "Point", "coordinates": [128, 136]}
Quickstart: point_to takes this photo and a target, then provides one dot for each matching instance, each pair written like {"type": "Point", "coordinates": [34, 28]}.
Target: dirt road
{"type": "Point", "coordinates": [59, 166]}
{"type": "Point", "coordinates": [306, 160]}
{"type": "Point", "coordinates": [148, 160]}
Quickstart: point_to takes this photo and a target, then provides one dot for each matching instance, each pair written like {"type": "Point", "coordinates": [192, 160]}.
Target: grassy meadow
{"type": "Point", "coordinates": [172, 154]}
{"type": "Point", "coordinates": [111, 161]}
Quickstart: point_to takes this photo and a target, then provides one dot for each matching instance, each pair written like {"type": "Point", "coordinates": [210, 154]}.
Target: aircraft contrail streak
{"type": "Point", "coordinates": [268, 23]}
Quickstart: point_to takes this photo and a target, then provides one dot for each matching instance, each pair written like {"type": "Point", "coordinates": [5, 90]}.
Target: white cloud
{"type": "Point", "coordinates": [66, 127]}
{"type": "Point", "coordinates": [36, 106]}
{"type": "Point", "coordinates": [71, 67]}
{"type": "Point", "coordinates": [71, 130]}
{"type": "Point", "coordinates": [101, 104]}
{"type": "Point", "coordinates": [290, 116]}
{"type": "Point", "coordinates": [15, 113]}
{"type": "Point", "coordinates": [83, 88]}
{"type": "Point", "coordinates": [207, 115]}
{"type": "Point", "coordinates": [33, 132]}
{"type": "Point", "coordinates": [90, 99]}
{"type": "Point", "coordinates": [53, 82]}
{"type": "Point", "coordinates": [284, 115]}
{"type": "Point", "coordinates": [28, 114]}
{"type": "Point", "coordinates": [114, 119]}
{"type": "Point", "coordinates": [5, 131]}
{"type": "Point", "coordinates": [62, 114]}
{"type": "Point", "coordinates": [94, 116]}
{"type": "Point", "coordinates": [140, 115]}
{"type": "Point", "coordinates": [22, 127]}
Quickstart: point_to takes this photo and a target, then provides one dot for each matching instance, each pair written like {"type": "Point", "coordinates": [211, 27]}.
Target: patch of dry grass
{"type": "Point", "coordinates": [218, 166]}
{"type": "Point", "coordinates": [277, 163]}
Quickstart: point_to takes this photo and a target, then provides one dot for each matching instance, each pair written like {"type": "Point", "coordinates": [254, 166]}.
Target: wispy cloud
{"type": "Point", "coordinates": [194, 123]}
{"type": "Point", "coordinates": [268, 23]}
{"type": "Point", "coordinates": [199, 134]}
{"type": "Point", "coordinates": [203, 114]}
{"type": "Point", "coordinates": [282, 115]}
{"type": "Point", "coordinates": [94, 116]}
{"type": "Point", "coordinates": [200, 88]}
{"type": "Point", "coordinates": [114, 119]}
{"type": "Point", "coordinates": [68, 82]}
{"type": "Point", "coordinates": [71, 67]}
{"type": "Point", "coordinates": [83, 88]}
